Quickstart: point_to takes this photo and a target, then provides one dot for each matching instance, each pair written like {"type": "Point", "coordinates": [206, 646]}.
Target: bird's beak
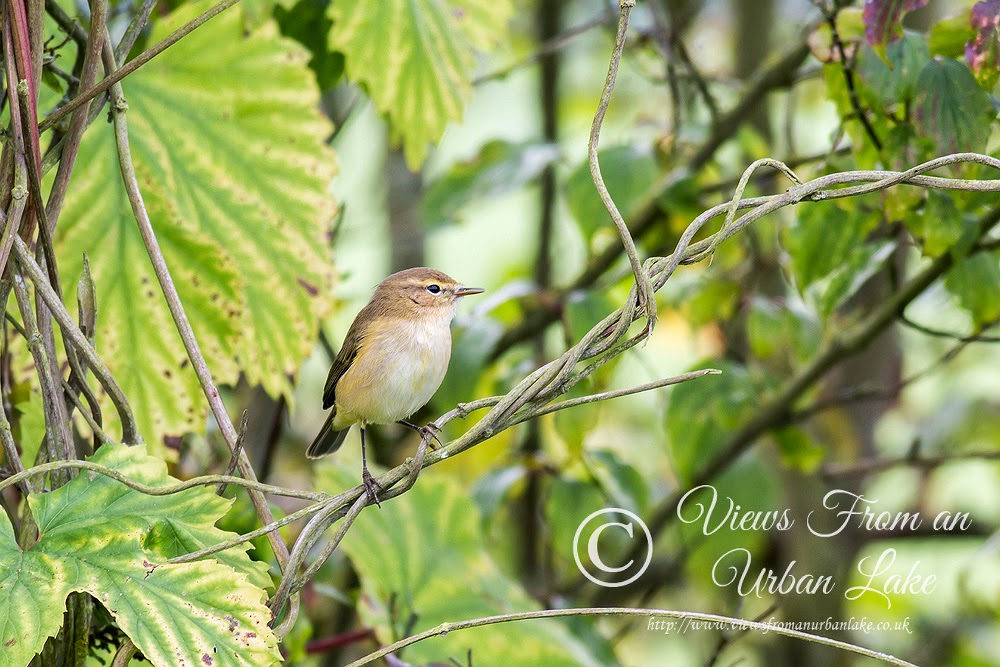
{"type": "Point", "coordinates": [466, 291]}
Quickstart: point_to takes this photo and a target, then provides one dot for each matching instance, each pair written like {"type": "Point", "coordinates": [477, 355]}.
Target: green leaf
{"type": "Point", "coordinates": [824, 236]}
{"type": "Point", "coordinates": [228, 149]}
{"type": "Point", "coordinates": [307, 22]}
{"type": "Point", "coordinates": [893, 80]}
{"type": "Point", "coordinates": [942, 226]}
{"type": "Point", "coordinates": [781, 330]}
{"type": "Point", "coordinates": [622, 484]}
{"type": "Point", "coordinates": [425, 551]}
{"type": "Point", "coordinates": [629, 174]}
{"type": "Point", "coordinates": [798, 450]}
{"type": "Point", "coordinates": [855, 270]}
{"type": "Point", "coordinates": [947, 37]}
{"type": "Point", "coordinates": [98, 536]}
{"type": "Point", "coordinates": [416, 58]}
{"type": "Point", "coordinates": [951, 108]}
{"type": "Point", "coordinates": [701, 414]}
{"type": "Point", "coordinates": [975, 281]}
{"type": "Point", "coordinates": [499, 167]}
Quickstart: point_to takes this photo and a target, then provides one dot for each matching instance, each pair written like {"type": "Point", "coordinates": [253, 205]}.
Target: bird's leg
{"type": "Point", "coordinates": [371, 486]}
{"type": "Point", "coordinates": [428, 432]}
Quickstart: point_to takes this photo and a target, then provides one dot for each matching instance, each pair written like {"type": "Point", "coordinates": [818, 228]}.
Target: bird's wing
{"type": "Point", "coordinates": [348, 352]}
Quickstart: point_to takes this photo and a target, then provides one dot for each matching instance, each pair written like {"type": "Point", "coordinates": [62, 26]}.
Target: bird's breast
{"type": "Point", "coordinates": [400, 364]}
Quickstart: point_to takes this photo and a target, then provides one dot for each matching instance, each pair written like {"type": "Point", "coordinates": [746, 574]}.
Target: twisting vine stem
{"type": "Point", "coordinates": [118, 108]}
{"type": "Point", "coordinates": [645, 290]}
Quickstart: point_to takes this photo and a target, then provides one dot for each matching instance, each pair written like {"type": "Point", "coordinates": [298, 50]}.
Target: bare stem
{"type": "Point", "coordinates": [445, 628]}
{"type": "Point", "coordinates": [118, 109]}
{"type": "Point", "coordinates": [645, 289]}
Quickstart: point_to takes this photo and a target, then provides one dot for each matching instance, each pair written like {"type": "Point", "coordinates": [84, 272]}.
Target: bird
{"type": "Point", "coordinates": [393, 360]}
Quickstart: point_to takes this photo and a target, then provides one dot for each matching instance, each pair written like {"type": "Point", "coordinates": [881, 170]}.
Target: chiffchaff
{"type": "Point", "coordinates": [392, 361]}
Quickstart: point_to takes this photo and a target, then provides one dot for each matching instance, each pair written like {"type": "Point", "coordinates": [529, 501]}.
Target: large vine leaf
{"type": "Point", "coordinates": [422, 556]}
{"type": "Point", "coordinates": [416, 59]}
{"type": "Point", "coordinates": [228, 148]}
{"type": "Point", "coordinates": [951, 108]}
{"type": "Point", "coordinates": [98, 536]}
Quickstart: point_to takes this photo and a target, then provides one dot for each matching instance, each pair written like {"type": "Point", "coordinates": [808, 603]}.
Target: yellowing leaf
{"type": "Point", "coordinates": [229, 151]}
{"type": "Point", "coordinates": [97, 535]}
{"type": "Point", "coordinates": [416, 59]}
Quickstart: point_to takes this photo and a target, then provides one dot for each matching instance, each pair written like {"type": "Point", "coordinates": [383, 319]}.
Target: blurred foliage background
{"type": "Point", "coordinates": [454, 135]}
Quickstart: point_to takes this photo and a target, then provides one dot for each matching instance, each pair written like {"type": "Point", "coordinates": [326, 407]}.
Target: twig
{"type": "Point", "coordinates": [167, 490]}
{"type": "Point", "coordinates": [134, 28]}
{"type": "Point", "coordinates": [78, 121]}
{"type": "Point", "coordinates": [852, 93]}
{"type": "Point", "coordinates": [869, 466]}
{"type": "Point", "coordinates": [647, 214]}
{"type": "Point", "coordinates": [130, 434]}
{"type": "Point", "coordinates": [11, 455]}
{"type": "Point", "coordinates": [618, 393]}
{"type": "Point", "coordinates": [124, 654]}
{"type": "Point", "coordinates": [862, 393]}
{"type": "Point", "coordinates": [69, 391]}
{"type": "Point", "coordinates": [234, 456]}
{"type": "Point", "coordinates": [553, 45]}
{"type": "Point", "coordinates": [778, 410]}
{"type": "Point", "coordinates": [140, 60]}
{"type": "Point", "coordinates": [938, 333]}
{"type": "Point", "coordinates": [118, 108]}
{"type": "Point", "coordinates": [645, 290]}
{"type": "Point", "coordinates": [445, 628]}
{"type": "Point", "coordinates": [57, 435]}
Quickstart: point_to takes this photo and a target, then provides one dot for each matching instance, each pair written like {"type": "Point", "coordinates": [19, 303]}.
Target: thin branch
{"type": "Point", "coordinates": [134, 28]}
{"type": "Point", "coordinates": [553, 45]}
{"type": "Point", "coordinates": [651, 210]}
{"type": "Point", "coordinates": [118, 108]}
{"type": "Point", "coordinates": [234, 457]}
{"type": "Point", "coordinates": [845, 67]}
{"type": "Point", "coordinates": [57, 433]}
{"type": "Point", "coordinates": [938, 333]}
{"type": "Point", "coordinates": [618, 393]}
{"type": "Point", "coordinates": [68, 390]}
{"type": "Point", "coordinates": [645, 289]}
{"type": "Point", "coordinates": [78, 121]}
{"type": "Point", "coordinates": [715, 619]}
{"type": "Point", "coordinates": [77, 339]}
{"type": "Point", "coordinates": [140, 60]}
{"type": "Point", "coordinates": [150, 490]}
{"type": "Point", "coordinates": [870, 466]}
{"type": "Point", "coordinates": [124, 654]}
{"type": "Point", "coordinates": [855, 394]}
{"type": "Point", "coordinates": [777, 411]}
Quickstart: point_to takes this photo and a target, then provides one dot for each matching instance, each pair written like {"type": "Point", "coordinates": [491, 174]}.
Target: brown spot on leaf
{"type": "Point", "coordinates": [206, 658]}
{"type": "Point", "coordinates": [10, 643]}
{"type": "Point", "coordinates": [309, 287]}
{"type": "Point", "coordinates": [172, 441]}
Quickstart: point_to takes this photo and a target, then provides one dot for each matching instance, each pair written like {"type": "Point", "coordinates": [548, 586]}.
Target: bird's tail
{"type": "Point", "coordinates": [328, 440]}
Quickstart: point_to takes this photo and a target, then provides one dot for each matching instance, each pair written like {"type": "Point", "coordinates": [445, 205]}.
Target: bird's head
{"type": "Point", "coordinates": [421, 291]}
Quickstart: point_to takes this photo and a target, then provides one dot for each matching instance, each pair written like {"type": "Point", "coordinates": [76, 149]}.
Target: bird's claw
{"type": "Point", "coordinates": [431, 432]}
{"type": "Point", "coordinates": [371, 487]}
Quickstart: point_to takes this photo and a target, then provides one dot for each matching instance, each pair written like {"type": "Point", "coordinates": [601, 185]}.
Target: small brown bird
{"type": "Point", "coordinates": [392, 361]}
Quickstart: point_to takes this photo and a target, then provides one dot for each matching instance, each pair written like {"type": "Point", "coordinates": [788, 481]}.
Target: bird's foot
{"type": "Point", "coordinates": [372, 487]}
{"type": "Point", "coordinates": [430, 432]}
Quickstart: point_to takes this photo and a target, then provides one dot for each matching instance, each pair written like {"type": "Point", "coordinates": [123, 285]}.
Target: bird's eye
{"type": "Point", "coordinates": [434, 289]}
